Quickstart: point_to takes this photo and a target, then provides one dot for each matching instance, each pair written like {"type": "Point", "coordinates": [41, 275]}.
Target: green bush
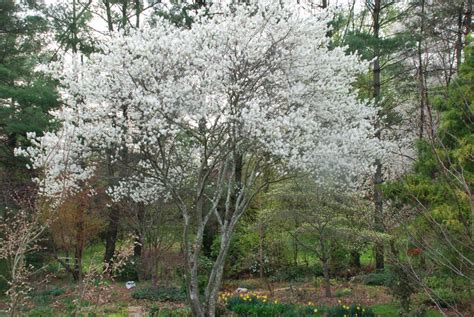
{"type": "Point", "coordinates": [241, 254]}
{"type": "Point", "coordinates": [45, 297]}
{"type": "Point", "coordinates": [376, 278]}
{"type": "Point", "coordinates": [402, 286]}
{"type": "Point", "coordinates": [444, 297]}
{"type": "Point", "coordinates": [338, 259]}
{"type": "Point", "coordinates": [293, 273]}
{"type": "Point", "coordinates": [129, 272]}
{"type": "Point", "coordinates": [170, 294]}
{"type": "Point", "coordinates": [447, 290]}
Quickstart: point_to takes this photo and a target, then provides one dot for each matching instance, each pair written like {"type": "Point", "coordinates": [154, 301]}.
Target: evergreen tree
{"type": "Point", "coordinates": [26, 95]}
{"type": "Point", "coordinates": [439, 193]}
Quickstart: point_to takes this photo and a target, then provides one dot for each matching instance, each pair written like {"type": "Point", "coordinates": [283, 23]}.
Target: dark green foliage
{"type": "Point", "coordinates": [129, 272]}
{"type": "Point", "coordinates": [242, 252]}
{"type": "Point", "coordinates": [439, 191]}
{"type": "Point", "coordinates": [46, 297]}
{"type": "Point", "coordinates": [402, 286]}
{"type": "Point", "coordinates": [258, 307]}
{"type": "Point", "coordinates": [376, 278]}
{"type": "Point", "coordinates": [26, 95]}
{"type": "Point", "coordinates": [171, 294]}
{"type": "Point", "coordinates": [72, 34]}
{"type": "Point", "coordinates": [446, 290]}
{"type": "Point", "coordinates": [180, 12]}
{"type": "Point", "coordinates": [298, 273]}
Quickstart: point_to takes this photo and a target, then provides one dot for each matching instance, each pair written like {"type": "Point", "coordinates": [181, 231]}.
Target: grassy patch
{"type": "Point", "coordinates": [367, 257]}
{"type": "Point", "coordinates": [385, 309]}
{"type": "Point", "coordinates": [93, 255]}
{"type": "Point", "coordinates": [392, 310]}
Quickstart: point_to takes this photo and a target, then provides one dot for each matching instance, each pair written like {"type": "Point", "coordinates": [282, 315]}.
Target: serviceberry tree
{"type": "Point", "coordinates": [204, 112]}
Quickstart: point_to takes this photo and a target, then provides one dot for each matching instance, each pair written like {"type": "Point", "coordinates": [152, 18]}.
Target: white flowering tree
{"type": "Point", "coordinates": [204, 112]}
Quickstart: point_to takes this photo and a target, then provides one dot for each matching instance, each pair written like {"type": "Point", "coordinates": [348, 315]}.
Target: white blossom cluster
{"type": "Point", "coordinates": [256, 79]}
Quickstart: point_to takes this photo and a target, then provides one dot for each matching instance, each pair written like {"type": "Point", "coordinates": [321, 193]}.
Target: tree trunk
{"type": "Point", "coordinates": [467, 18]}
{"type": "Point", "coordinates": [210, 234]}
{"type": "Point", "coordinates": [327, 278]}
{"type": "Point", "coordinates": [124, 14]}
{"type": "Point", "coordinates": [379, 249]}
{"type": "Point", "coordinates": [138, 9]}
{"type": "Point", "coordinates": [108, 11]}
{"type": "Point", "coordinates": [77, 271]}
{"type": "Point", "coordinates": [111, 236]}
{"type": "Point", "coordinates": [138, 247]}
{"type": "Point", "coordinates": [421, 72]}
{"type": "Point", "coordinates": [355, 259]}
{"type": "Point", "coordinates": [215, 278]}
{"type": "Point", "coordinates": [459, 39]}
{"type": "Point", "coordinates": [324, 257]}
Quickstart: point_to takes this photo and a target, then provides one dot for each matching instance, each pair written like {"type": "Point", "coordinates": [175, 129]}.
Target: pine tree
{"type": "Point", "coordinates": [26, 95]}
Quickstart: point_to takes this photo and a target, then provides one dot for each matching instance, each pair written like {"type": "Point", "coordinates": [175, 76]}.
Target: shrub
{"type": "Point", "coordinates": [376, 278]}
{"type": "Point", "coordinates": [47, 296]}
{"type": "Point", "coordinates": [129, 272]}
{"type": "Point", "coordinates": [402, 286]}
{"type": "Point", "coordinates": [444, 297]}
{"type": "Point", "coordinates": [338, 259]}
{"type": "Point", "coordinates": [171, 294]}
{"type": "Point", "coordinates": [293, 273]}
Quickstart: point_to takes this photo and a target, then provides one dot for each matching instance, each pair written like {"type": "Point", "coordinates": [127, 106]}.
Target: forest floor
{"type": "Point", "coordinates": [113, 299]}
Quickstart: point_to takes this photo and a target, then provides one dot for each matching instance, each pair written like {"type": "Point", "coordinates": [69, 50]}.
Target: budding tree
{"type": "Point", "coordinates": [204, 112]}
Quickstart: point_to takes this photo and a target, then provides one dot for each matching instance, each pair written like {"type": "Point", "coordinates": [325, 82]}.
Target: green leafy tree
{"type": "Point", "coordinates": [26, 95]}
{"type": "Point", "coordinates": [438, 193]}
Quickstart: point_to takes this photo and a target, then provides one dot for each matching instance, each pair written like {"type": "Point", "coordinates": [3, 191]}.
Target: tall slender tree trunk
{"type": "Point", "coordinates": [138, 247]}
{"type": "Point", "coordinates": [124, 14]}
{"type": "Point", "coordinates": [459, 38]}
{"type": "Point", "coordinates": [421, 72]}
{"type": "Point", "coordinates": [111, 236]}
{"type": "Point", "coordinates": [324, 256]}
{"type": "Point", "coordinates": [378, 178]}
{"type": "Point", "coordinates": [355, 259]}
{"type": "Point", "coordinates": [108, 11]}
{"type": "Point", "coordinates": [467, 18]}
{"type": "Point", "coordinates": [138, 9]}
{"type": "Point", "coordinates": [79, 247]}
